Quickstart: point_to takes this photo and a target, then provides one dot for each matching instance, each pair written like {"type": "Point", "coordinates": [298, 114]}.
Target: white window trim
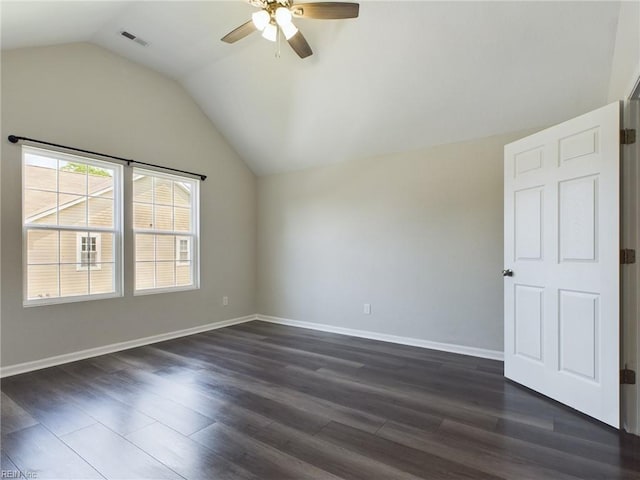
{"type": "Point", "coordinates": [97, 265]}
{"type": "Point", "coordinates": [194, 234]}
{"type": "Point", "coordinates": [116, 231]}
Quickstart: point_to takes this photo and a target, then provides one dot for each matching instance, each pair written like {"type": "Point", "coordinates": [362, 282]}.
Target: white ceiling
{"type": "Point", "coordinates": [404, 75]}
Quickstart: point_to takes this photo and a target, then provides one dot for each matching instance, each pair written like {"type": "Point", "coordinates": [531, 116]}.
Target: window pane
{"type": "Point", "coordinates": [183, 273]}
{"type": "Point", "coordinates": [100, 212]}
{"type": "Point", "coordinates": [165, 247]}
{"type": "Point", "coordinates": [144, 275]}
{"type": "Point", "coordinates": [165, 274]}
{"type": "Point", "coordinates": [40, 172]}
{"type": "Point", "coordinates": [101, 182]}
{"type": "Point", "coordinates": [142, 188]}
{"type": "Point", "coordinates": [72, 177]}
{"type": "Point", "coordinates": [101, 278]}
{"type": "Point", "coordinates": [40, 204]}
{"type": "Point", "coordinates": [182, 219]}
{"type": "Point", "coordinates": [145, 247]}
{"type": "Point", "coordinates": [69, 246]}
{"type": "Point", "coordinates": [182, 194]}
{"type": "Point", "coordinates": [164, 218]}
{"type": "Point", "coordinates": [42, 246]}
{"type": "Point", "coordinates": [163, 191]}
{"type": "Point", "coordinates": [72, 210]}
{"type": "Point", "coordinates": [74, 280]}
{"type": "Point", "coordinates": [42, 281]}
{"type": "Point", "coordinates": [105, 247]}
{"type": "Point", "coordinates": [142, 215]}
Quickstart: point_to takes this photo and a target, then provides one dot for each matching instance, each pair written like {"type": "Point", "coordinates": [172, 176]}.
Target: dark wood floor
{"type": "Point", "coordinates": [262, 401]}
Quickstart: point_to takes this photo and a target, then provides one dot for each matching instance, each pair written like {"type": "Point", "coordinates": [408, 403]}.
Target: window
{"type": "Point", "coordinates": [165, 223]}
{"type": "Point", "coordinates": [72, 228]}
{"type": "Point", "coordinates": [88, 251]}
{"type": "Point", "coordinates": [183, 251]}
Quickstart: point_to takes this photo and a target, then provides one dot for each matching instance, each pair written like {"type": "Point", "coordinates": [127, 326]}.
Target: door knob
{"type": "Point", "coordinates": [507, 273]}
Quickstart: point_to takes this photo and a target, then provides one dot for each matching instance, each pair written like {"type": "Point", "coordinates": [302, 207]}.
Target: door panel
{"type": "Point", "coordinates": [579, 313]}
{"type": "Point", "coordinates": [529, 319]}
{"type": "Point", "coordinates": [579, 219]}
{"type": "Point", "coordinates": [562, 243]}
{"type": "Point", "coordinates": [528, 224]}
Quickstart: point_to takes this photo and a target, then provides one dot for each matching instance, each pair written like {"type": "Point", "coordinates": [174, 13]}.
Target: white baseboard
{"type": "Point", "coordinates": [7, 371]}
{"type": "Point", "coordinates": [414, 342]}
{"type": "Point", "coordinates": [116, 347]}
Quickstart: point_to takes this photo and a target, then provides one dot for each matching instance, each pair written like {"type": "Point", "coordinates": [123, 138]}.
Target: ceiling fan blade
{"type": "Point", "coordinates": [240, 32]}
{"type": "Point", "coordinates": [300, 45]}
{"type": "Point", "coordinates": [326, 10]}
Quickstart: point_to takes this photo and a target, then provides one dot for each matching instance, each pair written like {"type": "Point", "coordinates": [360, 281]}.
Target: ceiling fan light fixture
{"type": "Point", "coordinates": [275, 16]}
{"type": "Point", "coordinates": [270, 32]}
{"type": "Point", "coordinates": [283, 16]}
{"type": "Point", "coordinates": [261, 19]}
{"type": "Point", "coordinates": [289, 30]}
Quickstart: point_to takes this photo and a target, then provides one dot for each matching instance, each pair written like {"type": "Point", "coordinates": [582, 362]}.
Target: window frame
{"type": "Point", "coordinates": [194, 234]}
{"type": "Point", "coordinates": [116, 231]}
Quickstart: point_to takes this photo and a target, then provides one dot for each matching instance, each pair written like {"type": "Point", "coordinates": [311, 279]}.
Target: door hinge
{"type": "Point", "coordinates": [627, 256]}
{"type": "Point", "coordinates": [627, 377]}
{"type": "Point", "coordinates": [627, 136]}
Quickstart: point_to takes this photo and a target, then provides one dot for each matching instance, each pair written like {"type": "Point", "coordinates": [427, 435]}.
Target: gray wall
{"type": "Point", "coordinates": [625, 64]}
{"type": "Point", "coordinates": [417, 235]}
{"type": "Point", "coordinates": [51, 93]}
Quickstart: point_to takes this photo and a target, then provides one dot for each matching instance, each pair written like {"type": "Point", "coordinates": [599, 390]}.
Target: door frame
{"type": "Point", "coordinates": [634, 122]}
{"type": "Point", "coordinates": [630, 274]}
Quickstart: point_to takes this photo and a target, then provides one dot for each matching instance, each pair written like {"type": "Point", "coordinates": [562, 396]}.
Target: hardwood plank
{"type": "Point", "coordinates": [45, 404]}
{"type": "Point", "coordinates": [201, 400]}
{"type": "Point", "coordinates": [119, 417]}
{"type": "Point", "coordinates": [488, 460]}
{"type": "Point", "coordinates": [109, 363]}
{"type": "Point", "coordinates": [114, 456]}
{"type": "Point", "coordinates": [582, 447]}
{"type": "Point", "coordinates": [260, 458]}
{"type": "Point", "coordinates": [327, 455]}
{"type": "Point", "coordinates": [576, 465]}
{"type": "Point", "coordinates": [302, 401]}
{"type": "Point", "coordinates": [164, 410]}
{"type": "Point", "coordinates": [185, 456]}
{"type": "Point", "coordinates": [404, 458]}
{"type": "Point", "coordinates": [14, 417]}
{"type": "Point", "coordinates": [37, 452]}
{"type": "Point", "coordinates": [9, 469]}
{"type": "Point", "coordinates": [302, 358]}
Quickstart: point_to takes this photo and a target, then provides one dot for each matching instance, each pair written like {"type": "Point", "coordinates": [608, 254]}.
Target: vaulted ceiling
{"type": "Point", "coordinates": [402, 76]}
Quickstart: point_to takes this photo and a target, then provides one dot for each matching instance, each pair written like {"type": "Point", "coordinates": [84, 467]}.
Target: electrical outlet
{"type": "Point", "coordinates": [225, 301]}
{"type": "Point", "coordinates": [367, 309]}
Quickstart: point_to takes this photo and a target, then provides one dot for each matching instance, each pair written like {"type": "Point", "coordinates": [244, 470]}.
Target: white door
{"type": "Point", "coordinates": [561, 304]}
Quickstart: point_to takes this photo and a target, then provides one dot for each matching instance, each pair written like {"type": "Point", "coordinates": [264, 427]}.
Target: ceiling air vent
{"type": "Point", "coordinates": [131, 36]}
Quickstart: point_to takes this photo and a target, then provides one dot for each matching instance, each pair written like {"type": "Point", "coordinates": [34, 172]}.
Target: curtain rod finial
{"type": "Point", "coordinates": [13, 139]}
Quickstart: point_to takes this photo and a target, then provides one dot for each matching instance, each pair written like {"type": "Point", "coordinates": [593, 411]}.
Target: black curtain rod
{"type": "Point", "coordinates": [16, 139]}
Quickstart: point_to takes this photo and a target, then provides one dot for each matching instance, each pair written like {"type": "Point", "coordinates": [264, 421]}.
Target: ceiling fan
{"type": "Point", "coordinates": [276, 16]}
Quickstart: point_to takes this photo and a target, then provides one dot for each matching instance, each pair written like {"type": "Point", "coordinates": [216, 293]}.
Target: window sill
{"type": "Point", "coordinates": [153, 291]}
{"type": "Point", "coordinates": [58, 300]}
